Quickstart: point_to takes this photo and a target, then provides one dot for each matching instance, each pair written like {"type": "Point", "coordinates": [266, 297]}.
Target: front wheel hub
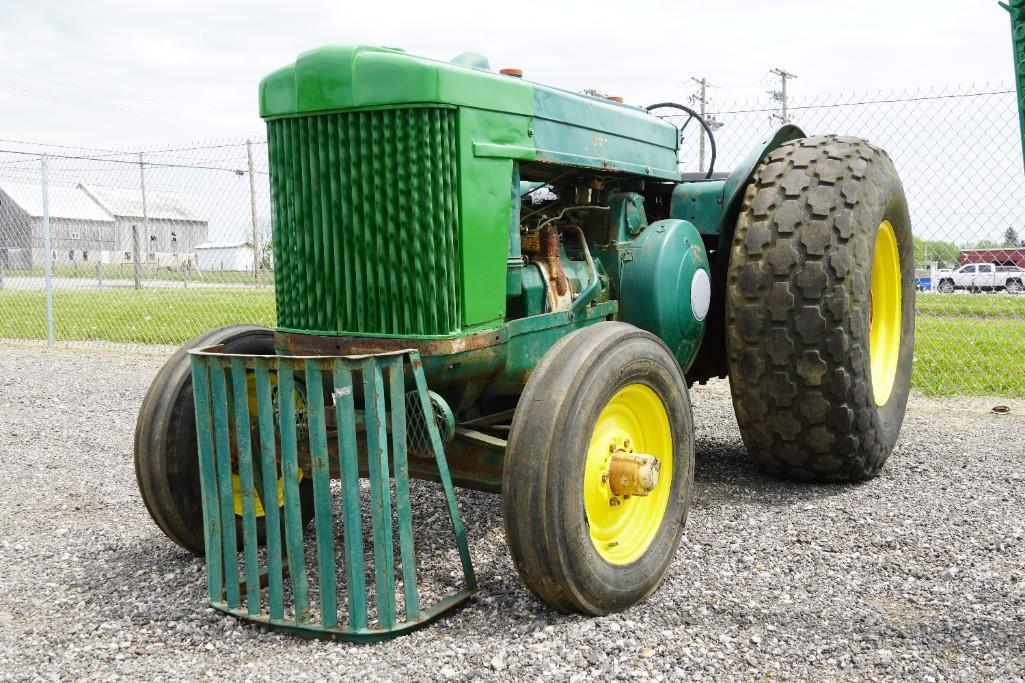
{"type": "Point", "coordinates": [633, 474]}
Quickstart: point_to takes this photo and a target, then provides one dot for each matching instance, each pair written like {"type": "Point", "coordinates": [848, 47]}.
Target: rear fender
{"type": "Point", "coordinates": [736, 182]}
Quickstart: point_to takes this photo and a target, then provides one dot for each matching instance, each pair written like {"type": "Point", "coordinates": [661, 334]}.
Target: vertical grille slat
{"type": "Point", "coordinates": [366, 222]}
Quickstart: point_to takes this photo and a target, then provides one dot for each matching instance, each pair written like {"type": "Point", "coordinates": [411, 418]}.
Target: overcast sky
{"type": "Point", "coordinates": [106, 73]}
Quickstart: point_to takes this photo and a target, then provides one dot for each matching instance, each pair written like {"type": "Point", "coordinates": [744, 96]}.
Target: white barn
{"type": "Point", "coordinates": [80, 230]}
{"type": "Point", "coordinates": [169, 234]}
{"type": "Point", "coordinates": [213, 256]}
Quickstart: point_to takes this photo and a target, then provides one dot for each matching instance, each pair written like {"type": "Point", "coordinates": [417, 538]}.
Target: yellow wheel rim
{"type": "Point", "coordinates": [884, 313]}
{"type": "Point", "coordinates": [236, 483]}
{"type": "Point", "coordinates": [622, 527]}
{"type": "Point", "coordinates": [236, 489]}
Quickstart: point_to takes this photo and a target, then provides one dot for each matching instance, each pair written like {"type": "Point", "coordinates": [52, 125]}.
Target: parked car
{"type": "Point", "coordinates": [977, 277]}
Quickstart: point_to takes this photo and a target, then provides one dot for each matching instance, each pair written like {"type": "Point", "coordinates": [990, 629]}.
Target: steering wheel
{"type": "Point", "coordinates": [691, 115]}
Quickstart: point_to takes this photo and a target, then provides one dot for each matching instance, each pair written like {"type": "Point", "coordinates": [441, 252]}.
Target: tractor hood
{"type": "Point", "coordinates": [559, 126]}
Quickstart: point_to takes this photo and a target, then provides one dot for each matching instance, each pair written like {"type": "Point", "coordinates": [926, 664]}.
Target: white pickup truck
{"type": "Point", "coordinates": [976, 277]}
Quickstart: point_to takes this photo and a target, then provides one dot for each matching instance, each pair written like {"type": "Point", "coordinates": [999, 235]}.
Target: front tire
{"type": "Point", "coordinates": [821, 310]}
{"type": "Point", "coordinates": [576, 544]}
{"type": "Point", "coordinates": [166, 450]}
{"type": "Point", "coordinates": [946, 287]}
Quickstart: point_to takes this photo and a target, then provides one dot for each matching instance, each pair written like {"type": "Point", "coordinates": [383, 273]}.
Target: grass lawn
{"type": "Point", "coordinates": [127, 272]}
{"type": "Point", "coordinates": [980, 305]}
{"type": "Point", "coordinates": [968, 345]}
{"type": "Point", "coordinates": [146, 316]}
{"type": "Point", "coordinates": [969, 356]}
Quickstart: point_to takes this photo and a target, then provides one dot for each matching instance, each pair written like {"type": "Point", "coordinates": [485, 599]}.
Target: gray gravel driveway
{"type": "Point", "coordinates": [917, 574]}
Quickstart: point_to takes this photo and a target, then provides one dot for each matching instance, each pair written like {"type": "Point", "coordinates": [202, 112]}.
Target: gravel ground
{"type": "Point", "coordinates": [919, 573]}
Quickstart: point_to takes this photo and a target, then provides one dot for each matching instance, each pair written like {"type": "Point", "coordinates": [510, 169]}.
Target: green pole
{"type": "Point", "coordinates": [1016, 8]}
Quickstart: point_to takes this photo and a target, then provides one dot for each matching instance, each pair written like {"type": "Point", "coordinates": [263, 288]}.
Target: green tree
{"type": "Point", "coordinates": [946, 254]}
{"type": "Point", "coordinates": [1011, 238]}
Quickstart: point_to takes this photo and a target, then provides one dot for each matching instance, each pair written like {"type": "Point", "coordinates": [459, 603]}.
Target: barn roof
{"type": "Point", "coordinates": [65, 202]}
{"type": "Point", "coordinates": [222, 245]}
{"type": "Point", "coordinates": [127, 202]}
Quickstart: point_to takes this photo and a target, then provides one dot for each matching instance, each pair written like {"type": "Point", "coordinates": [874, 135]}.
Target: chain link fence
{"type": "Point", "coordinates": [155, 246]}
{"type": "Point", "coordinates": [144, 247]}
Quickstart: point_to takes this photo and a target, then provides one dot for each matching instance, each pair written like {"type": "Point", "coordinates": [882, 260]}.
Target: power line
{"type": "Point", "coordinates": [856, 103]}
{"type": "Point", "coordinates": [236, 171]}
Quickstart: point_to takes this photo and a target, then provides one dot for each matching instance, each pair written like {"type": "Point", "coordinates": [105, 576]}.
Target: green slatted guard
{"type": "Point", "coordinates": [277, 583]}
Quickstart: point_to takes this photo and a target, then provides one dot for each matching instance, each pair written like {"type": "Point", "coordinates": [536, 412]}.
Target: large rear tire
{"type": "Point", "coordinates": [820, 307]}
{"type": "Point", "coordinates": [166, 451]}
{"type": "Point", "coordinates": [578, 542]}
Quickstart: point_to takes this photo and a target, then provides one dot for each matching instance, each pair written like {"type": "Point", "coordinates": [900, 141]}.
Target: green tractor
{"type": "Point", "coordinates": [509, 287]}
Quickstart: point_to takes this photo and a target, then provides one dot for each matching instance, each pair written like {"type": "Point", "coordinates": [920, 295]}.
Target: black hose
{"type": "Point", "coordinates": [701, 120]}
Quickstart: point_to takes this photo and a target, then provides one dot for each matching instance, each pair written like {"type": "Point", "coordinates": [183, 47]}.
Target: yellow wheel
{"type": "Point", "coordinates": [885, 313]}
{"type": "Point", "coordinates": [598, 470]}
{"type": "Point", "coordinates": [623, 526]}
{"type": "Point", "coordinates": [300, 411]}
{"type": "Point", "coordinates": [820, 310]}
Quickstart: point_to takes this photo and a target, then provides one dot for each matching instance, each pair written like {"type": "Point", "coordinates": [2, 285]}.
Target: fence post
{"type": "Point", "coordinates": [145, 217]}
{"type": "Point", "coordinates": [252, 207]}
{"type": "Point", "coordinates": [47, 251]}
{"type": "Point", "coordinates": [135, 256]}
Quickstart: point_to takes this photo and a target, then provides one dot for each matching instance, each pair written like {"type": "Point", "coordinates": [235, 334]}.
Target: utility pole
{"type": "Point", "coordinates": [702, 100]}
{"type": "Point", "coordinates": [252, 206]}
{"type": "Point", "coordinates": [781, 94]}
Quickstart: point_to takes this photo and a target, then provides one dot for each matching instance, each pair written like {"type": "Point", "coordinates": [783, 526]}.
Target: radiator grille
{"type": "Point", "coordinates": [365, 222]}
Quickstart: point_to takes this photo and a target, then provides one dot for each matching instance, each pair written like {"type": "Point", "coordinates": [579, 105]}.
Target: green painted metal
{"type": "Point", "coordinates": [225, 497]}
{"type": "Point", "coordinates": [386, 381]}
{"type": "Point", "coordinates": [321, 498]}
{"type": "Point", "coordinates": [699, 203]}
{"type": "Point", "coordinates": [244, 453]}
{"type": "Point", "coordinates": [268, 475]}
{"type": "Point", "coordinates": [605, 134]}
{"type": "Point", "coordinates": [293, 506]}
{"type": "Point", "coordinates": [1016, 10]}
{"type": "Point", "coordinates": [626, 212]}
{"type": "Point", "coordinates": [733, 189]}
{"type": "Point", "coordinates": [207, 480]}
{"type": "Point", "coordinates": [657, 286]}
{"type": "Point", "coordinates": [380, 219]}
{"type": "Point", "coordinates": [397, 396]}
{"type": "Point", "coordinates": [345, 419]}
{"type": "Point", "coordinates": [366, 225]}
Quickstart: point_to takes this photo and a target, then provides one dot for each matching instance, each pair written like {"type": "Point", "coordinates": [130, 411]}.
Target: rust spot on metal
{"type": "Point", "coordinates": [299, 344]}
{"type": "Point", "coordinates": [633, 474]}
{"type": "Point", "coordinates": [550, 257]}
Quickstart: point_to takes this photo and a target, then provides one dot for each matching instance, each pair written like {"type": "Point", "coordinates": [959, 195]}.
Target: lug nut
{"type": "Point", "coordinates": [614, 502]}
